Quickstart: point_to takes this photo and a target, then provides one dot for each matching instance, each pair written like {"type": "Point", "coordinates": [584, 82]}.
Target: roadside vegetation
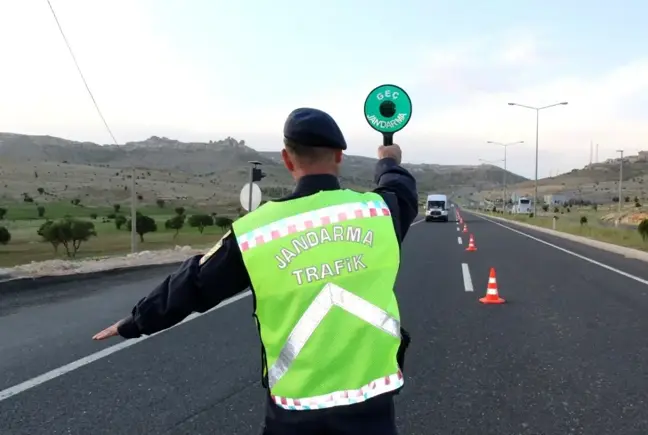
{"type": "Point", "coordinates": [628, 228]}
{"type": "Point", "coordinates": [30, 232]}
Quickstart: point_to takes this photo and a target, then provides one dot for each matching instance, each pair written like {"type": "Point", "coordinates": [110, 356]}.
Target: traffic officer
{"type": "Point", "coordinates": [321, 263]}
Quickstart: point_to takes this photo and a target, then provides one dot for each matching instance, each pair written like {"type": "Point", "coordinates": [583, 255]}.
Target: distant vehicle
{"type": "Point", "coordinates": [522, 206]}
{"type": "Point", "coordinates": [436, 208]}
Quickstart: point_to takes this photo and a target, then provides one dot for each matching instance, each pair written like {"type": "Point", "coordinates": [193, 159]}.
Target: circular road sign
{"type": "Point", "coordinates": [245, 196]}
{"type": "Point", "coordinates": [388, 108]}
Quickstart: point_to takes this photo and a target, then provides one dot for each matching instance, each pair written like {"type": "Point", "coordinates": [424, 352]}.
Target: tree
{"type": "Point", "coordinates": [179, 210]}
{"type": "Point", "coordinates": [583, 220]}
{"type": "Point", "coordinates": [224, 223]}
{"type": "Point", "coordinates": [627, 199]}
{"type": "Point", "coordinates": [120, 220]}
{"type": "Point", "coordinates": [41, 232]}
{"type": "Point", "coordinates": [3, 213]}
{"type": "Point", "coordinates": [116, 207]}
{"type": "Point", "coordinates": [41, 190]}
{"type": "Point", "coordinates": [41, 211]}
{"type": "Point", "coordinates": [643, 229]}
{"type": "Point", "coordinates": [160, 203]}
{"type": "Point", "coordinates": [175, 223]}
{"type": "Point", "coordinates": [144, 225]}
{"type": "Point", "coordinates": [5, 236]}
{"type": "Point", "coordinates": [68, 232]}
{"type": "Point", "coordinates": [75, 201]}
{"type": "Point", "coordinates": [201, 221]}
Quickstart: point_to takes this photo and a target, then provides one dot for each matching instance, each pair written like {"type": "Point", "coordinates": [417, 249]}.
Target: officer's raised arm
{"type": "Point", "coordinates": [199, 284]}
{"type": "Point", "coordinates": [392, 178]}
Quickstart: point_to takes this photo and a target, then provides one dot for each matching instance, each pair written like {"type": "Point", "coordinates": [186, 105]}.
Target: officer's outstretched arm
{"type": "Point", "coordinates": [393, 178]}
{"type": "Point", "coordinates": [199, 284]}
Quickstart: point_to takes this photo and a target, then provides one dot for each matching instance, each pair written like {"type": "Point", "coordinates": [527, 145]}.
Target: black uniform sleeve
{"type": "Point", "coordinates": [394, 180]}
{"type": "Point", "coordinates": [194, 287]}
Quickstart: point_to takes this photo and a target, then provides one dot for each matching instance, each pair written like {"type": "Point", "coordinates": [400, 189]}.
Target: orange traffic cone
{"type": "Point", "coordinates": [492, 295]}
{"type": "Point", "coordinates": [465, 230]}
{"type": "Point", "coordinates": [471, 244]}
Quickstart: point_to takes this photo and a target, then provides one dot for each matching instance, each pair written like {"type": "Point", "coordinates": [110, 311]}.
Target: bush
{"type": "Point", "coordinates": [120, 220]}
{"type": "Point", "coordinates": [583, 220]}
{"type": "Point", "coordinates": [93, 216]}
{"type": "Point", "coordinates": [5, 236]}
{"type": "Point", "coordinates": [41, 211]}
{"type": "Point", "coordinates": [3, 213]}
{"type": "Point", "coordinates": [643, 229]}
{"type": "Point", "coordinates": [531, 214]}
{"type": "Point", "coordinates": [116, 207]}
{"type": "Point", "coordinates": [223, 223]}
{"type": "Point", "coordinates": [201, 221]}
{"type": "Point", "coordinates": [179, 210]}
{"type": "Point", "coordinates": [545, 207]}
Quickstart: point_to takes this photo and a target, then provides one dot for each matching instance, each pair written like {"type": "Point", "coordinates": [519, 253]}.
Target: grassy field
{"type": "Point", "coordinates": [26, 245]}
{"type": "Point", "coordinates": [595, 228]}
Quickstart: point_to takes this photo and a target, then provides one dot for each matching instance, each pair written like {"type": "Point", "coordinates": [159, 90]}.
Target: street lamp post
{"type": "Point", "coordinates": [492, 162]}
{"type": "Point", "coordinates": [505, 145]}
{"type": "Point", "coordinates": [620, 179]}
{"type": "Point", "coordinates": [537, 109]}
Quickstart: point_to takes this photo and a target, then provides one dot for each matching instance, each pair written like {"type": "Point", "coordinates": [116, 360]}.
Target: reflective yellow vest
{"type": "Point", "coordinates": [323, 269]}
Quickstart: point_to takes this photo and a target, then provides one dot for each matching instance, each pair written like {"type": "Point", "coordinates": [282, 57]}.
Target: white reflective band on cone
{"type": "Point", "coordinates": [330, 296]}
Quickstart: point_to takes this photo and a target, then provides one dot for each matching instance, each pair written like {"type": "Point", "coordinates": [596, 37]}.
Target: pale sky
{"type": "Point", "coordinates": [206, 69]}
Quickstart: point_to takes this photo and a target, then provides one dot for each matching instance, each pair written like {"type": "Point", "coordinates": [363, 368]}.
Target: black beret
{"type": "Point", "coordinates": [314, 128]}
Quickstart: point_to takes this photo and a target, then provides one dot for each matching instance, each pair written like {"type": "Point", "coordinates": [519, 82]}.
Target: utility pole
{"type": "Point", "coordinates": [505, 145]}
{"type": "Point", "coordinates": [133, 213]}
{"type": "Point", "coordinates": [620, 178]}
{"type": "Point", "coordinates": [591, 151]}
{"type": "Point", "coordinates": [597, 160]}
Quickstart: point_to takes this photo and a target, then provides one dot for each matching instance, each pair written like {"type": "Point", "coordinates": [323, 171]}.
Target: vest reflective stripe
{"type": "Point", "coordinates": [305, 257]}
{"type": "Point", "coordinates": [330, 296]}
{"type": "Point", "coordinates": [313, 219]}
{"type": "Point", "coordinates": [345, 397]}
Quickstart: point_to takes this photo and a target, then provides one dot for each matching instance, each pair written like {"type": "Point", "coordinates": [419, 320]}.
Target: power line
{"type": "Point", "coordinates": [133, 194]}
{"type": "Point", "coordinates": [81, 73]}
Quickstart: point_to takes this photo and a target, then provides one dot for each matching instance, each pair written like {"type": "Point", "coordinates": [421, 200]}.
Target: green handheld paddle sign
{"type": "Point", "coordinates": [388, 109]}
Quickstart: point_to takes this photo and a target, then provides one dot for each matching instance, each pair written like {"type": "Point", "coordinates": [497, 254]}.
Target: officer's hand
{"type": "Point", "coordinates": [111, 331]}
{"type": "Point", "coordinates": [390, 151]}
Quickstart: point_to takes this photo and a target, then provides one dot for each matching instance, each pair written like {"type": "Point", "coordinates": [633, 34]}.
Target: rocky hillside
{"type": "Point", "coordinates": [201, 172]}
{"type": "Point", "coordinates": [597, 182]}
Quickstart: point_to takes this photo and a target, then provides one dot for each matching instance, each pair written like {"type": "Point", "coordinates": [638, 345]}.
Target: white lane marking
{"type": "Point", "coordinates": [567, 251]}
{"type": "Point", "coordinates": [468, 285]}
{"type": "Point", "coordinates": [55, 373]}
{"type": "Point", "coordinates": [459, 240]}
{"type": "Point", "coordinates": [458, 229]}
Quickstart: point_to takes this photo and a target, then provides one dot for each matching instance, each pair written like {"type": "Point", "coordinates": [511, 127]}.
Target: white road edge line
{"type": "Point", "coordinates": [567, 251]}
{"type": "Point", "coordinates": [52, 374]}
{"type": "Point", "coordinates": [459, 240]}
{"type": "Point", "coordinates": [468, 285]}
{"type": "Point", "coordinates": [55, 373]}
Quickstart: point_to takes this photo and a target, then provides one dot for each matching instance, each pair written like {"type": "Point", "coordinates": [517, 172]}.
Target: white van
{"type": "Point", "coordinates": [436, 208]}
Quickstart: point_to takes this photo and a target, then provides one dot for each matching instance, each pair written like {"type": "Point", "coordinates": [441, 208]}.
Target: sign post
{"type": "Point", "coordinates": [388, 109]}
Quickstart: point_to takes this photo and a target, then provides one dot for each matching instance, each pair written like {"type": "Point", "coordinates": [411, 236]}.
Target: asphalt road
{"type": "Point", "coordinates": [567, 353]}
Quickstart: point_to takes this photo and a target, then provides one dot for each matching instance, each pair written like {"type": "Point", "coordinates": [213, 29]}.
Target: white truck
{"type": "Point", "coordinates": [436, 208]}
